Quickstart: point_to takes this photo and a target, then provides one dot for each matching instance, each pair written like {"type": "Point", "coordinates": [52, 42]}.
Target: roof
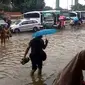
{"type": "Point", "coordinates": [13, 13]}
{"type": "Point", "coordinates": [42, 11]}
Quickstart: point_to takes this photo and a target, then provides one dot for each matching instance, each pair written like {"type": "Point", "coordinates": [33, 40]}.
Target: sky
{"type": "Point", "coordinates": [63, 3]}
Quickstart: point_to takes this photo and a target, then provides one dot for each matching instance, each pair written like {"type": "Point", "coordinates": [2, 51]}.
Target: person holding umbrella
{"type": "Point", "coordinates": [37, 54]}
{"type": "Point", "coordinates": [37, 46]}
{"type": "Point", "coordinates": [62, 20]}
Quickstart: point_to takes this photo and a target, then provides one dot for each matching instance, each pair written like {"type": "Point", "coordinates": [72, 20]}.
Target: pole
{"type": "Point", "coordinates": [67, 4]}
{"type": "Point", "coordinates": [57, 4]}
{"type": "Point", "coordinates": [72, 2]}
{"type": "Point", "coordinates": [76, 2]}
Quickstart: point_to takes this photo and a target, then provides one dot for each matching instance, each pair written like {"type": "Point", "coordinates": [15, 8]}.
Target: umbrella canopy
{"type": "Point", "coordinates": [75, 18]}
{"type": "Point", "coordinates": [44, 32]}
{"type": "Point", "coordinates": [62, 17]}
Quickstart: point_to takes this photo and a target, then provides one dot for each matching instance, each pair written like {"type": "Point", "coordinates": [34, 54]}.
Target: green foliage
{"type": "Point", "coordinates": [32, 5]}
{"type": "Point", "coordinates": [47, 8]}
{"type": "Point", "coordinates": [78, 7]}
{"type": "Point", "coordinates": [5, 1]}
{"type": "Point", "coordinates": [22, 5]}
{"type": "Point", "coordinates": [4, 7]}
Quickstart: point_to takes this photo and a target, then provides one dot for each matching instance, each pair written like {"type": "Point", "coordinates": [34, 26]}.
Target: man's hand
{"type": "Point", "coordinates": [46, 41]}
{"type": "Point", "coordinates": [23, 58]}
{"type": "Point", "coordinates": [26, 52]}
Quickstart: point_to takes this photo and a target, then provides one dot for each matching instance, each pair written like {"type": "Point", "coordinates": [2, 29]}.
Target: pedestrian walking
{"type": "Point", "coordinates": [8, 21]}
{"type": "Point", "coordinates": [72, 73]}
{"type": "Point", "coordinates": [2, 33]}
{"type": "Point", "coordinates": [7, 33]}
{"type": "Point", "coordinates": [37, 54]}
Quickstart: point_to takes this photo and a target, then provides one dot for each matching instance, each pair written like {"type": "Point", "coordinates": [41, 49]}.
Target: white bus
{"type": "Point", "coordinates": [69, 14]}
{"type": "Point", "coordinates": [41, 16]}
{"type": "Point", "coordinates": [47, 17]}
{"type": "Point", "coordinates": [81, 14]}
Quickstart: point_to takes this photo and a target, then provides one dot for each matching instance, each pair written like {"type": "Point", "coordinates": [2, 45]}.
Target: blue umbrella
{"type": "Point", "coordinates": [44, 32]}
{"type": "Point", "coordinates": [75, 18]}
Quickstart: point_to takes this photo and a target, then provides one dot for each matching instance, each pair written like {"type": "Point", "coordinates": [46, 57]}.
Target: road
{"type": "Point", "coordinates": [61, 48]}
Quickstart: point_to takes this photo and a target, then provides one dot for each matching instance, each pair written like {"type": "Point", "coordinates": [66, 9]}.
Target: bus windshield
{"type": "Point", "coordinates": [83, 15]}
{"type": "Point", "coordinates": [72, 14]}
{"type": "Point", "coordinates": [31, 15]}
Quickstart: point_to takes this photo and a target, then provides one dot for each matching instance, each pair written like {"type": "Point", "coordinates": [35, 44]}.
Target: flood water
{"type": "Point", "coordinates": [61, 48]}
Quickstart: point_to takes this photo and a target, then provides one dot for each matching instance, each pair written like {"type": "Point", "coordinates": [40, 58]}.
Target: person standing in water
{"type": "Point", "coordinates": [3, 34]}
{"type": "Point", "coordinates": [37, 54]}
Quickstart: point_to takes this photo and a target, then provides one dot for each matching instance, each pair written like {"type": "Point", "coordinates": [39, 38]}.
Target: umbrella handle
{"type": "Point", "coordinates": [45, 37]}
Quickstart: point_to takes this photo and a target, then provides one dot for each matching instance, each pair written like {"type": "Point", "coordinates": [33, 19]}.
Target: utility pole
{"type": "Point", "coordinates": [57, 4]}
{"type": "Point", "coordinates": [72, 2]}
{"type": "Point", "coordinates": [67, 4]}
{"type": "Point", "coordinates": [76, 2]}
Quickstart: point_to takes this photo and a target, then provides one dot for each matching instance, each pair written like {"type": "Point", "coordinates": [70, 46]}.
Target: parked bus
{"type": "Point", "coordinates": [81, 15]}
{"type": "Point", "coordinates": [47, 17]}
{"type": "Point", "coordinates": [69, 14]}
{"type": "Point", "coordinates": [42, 16]}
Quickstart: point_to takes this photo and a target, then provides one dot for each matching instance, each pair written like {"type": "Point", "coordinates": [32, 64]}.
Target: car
{"type": "Point", "coordinates": [25, 25]}
{"type": "Point", "coordinates": [2, 22]}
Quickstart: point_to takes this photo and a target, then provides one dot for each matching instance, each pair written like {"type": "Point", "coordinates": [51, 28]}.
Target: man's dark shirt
{"type": "Point", "coordinates": [37, 45]}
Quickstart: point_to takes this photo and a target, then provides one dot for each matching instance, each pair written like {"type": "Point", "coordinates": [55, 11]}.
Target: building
{"type": "Point", "coordinates": [13, 15]}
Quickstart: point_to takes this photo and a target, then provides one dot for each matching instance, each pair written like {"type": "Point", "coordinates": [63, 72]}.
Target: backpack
{"type": "Point", "coordinates": [44, 56]}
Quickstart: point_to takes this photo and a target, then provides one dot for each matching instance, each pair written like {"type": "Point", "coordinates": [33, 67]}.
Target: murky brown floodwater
{"type": "Point", "coordinates": [61, 49]}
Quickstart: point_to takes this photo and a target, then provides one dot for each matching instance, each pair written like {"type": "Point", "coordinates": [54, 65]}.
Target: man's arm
{"type": "Point", "coordinates": [46, 43]}
{"type": "Point", "coordinates": [26, 51]}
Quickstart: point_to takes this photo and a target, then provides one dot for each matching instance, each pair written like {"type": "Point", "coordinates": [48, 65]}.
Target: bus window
{"type": "Point", "coordinates": [66, 14]}
{"type": "Point", "coordinates": [72, 14]}
{"type": "Point", "coordinates": [48, 16]}
{"type": "Point", "coordinates": [79, 14]}
{"type": "Point", "coordinates": [31, 15]}
{"type": "Point", "coordinates": [83, 15]}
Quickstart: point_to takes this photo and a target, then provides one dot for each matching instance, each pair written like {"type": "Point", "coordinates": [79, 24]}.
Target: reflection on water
{"type": "Point", "coordinates": [60, 50]}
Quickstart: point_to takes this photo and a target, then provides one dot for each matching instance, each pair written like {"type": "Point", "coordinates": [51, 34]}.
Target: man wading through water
{"type": "Point", "coordinates": [37, 54]}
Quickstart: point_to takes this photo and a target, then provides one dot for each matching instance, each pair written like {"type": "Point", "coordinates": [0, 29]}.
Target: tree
{"type": "Point", "coordinates": [32, 5]}
{"type": "Point", "coordinates": [5, 1]}
{"type": "Point", "coordinates": [47, 8]}
{"type": "Point", "coordinates": [5, 5]}
{"type": "Point", "coordinates": [79, 7]}
{"type": "Point", "coordinates": [40, 4]}
{"type": "Point", "coordinates": [23, 5]}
